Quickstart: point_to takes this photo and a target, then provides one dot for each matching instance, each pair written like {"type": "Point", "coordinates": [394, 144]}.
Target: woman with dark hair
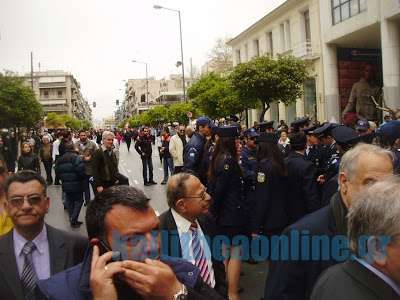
{"type": "Point", "coordinates": [227, 204]}
{"type": "Point", "coordinates": [272, 173]}
{"type": "Point", "coordinates": [208, 150]}
{"type": "Point", "coordinates": [28, 160]}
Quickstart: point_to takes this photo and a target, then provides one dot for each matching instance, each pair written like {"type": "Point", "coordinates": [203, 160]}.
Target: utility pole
{"type": "Point", "coordinates": [32, 70]}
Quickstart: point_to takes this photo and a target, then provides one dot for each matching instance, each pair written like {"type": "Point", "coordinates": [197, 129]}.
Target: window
{"type": "Point", "coordinates": [288, 37]}
{"type": "Point", "coordinates": [282, 36]}
{"type": "Point", "coordinates": [46, 94]}
{"type": "Point", "coordinates": [246, 53]}
{"type": "Point", "coordinates": [238, 59]}
{"type": "Point", "coordinates": [284, 32]}
{"type": "Point", "coordinates": [59, 94]}
{"type": "Point", "coordinates": [269, 44]}
{"type": "Point", "coordinates": [307, 25]}
{"type": "Point", "coordinates": [256, 48]}
{"type": "Point", "coordinates": [344, 9]}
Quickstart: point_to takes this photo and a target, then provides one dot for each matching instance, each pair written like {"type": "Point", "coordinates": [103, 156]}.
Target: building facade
{"type": "Point", "coordinates": [291, 29]}
{"type": "Point", "coordinates": [356, 33]}
{"type": "Point", "coordinates": [59, 92]}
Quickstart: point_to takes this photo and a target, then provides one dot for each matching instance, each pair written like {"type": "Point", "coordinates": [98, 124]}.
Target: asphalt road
{"type": "Point", "coordinates": [253, 281]}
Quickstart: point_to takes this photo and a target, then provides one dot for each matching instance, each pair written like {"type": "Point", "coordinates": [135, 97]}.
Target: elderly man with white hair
{"type": "Point", "coordinates": [105, 164]}
{"type": "Point", "coordinates": [373, 271]}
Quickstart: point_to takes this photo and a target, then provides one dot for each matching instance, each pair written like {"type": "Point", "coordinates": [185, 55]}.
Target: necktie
{"type": "Point", "coordinates": [28, 277]}
{"type": "Point", "coordinates": [198, 255]}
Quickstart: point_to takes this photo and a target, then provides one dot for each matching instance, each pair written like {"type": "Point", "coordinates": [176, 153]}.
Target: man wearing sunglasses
{"type": "Point", "coordinates": [189, 202]}
{"type": "Point", "coordinates": [33, 250]}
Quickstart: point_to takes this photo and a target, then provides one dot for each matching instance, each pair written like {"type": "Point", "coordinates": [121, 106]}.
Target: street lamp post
{"type": "Point", "coordinates": [180, 30]}
{"type": "Point", "coordinates": [147, 82]}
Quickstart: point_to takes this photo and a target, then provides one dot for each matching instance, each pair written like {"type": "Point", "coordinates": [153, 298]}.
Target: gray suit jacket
{"type": "Point", "coordinates": [67, 249]}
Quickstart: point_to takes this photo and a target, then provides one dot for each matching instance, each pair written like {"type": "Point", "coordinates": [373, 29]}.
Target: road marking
{"type": "Point", "coordinates": [129, 171]}
{"type": "Point", "coordinates": [136, 182]}
{"type": "Point", "coordinates": [157, 213]}
{"type": "Point", "coordinates": [161, 169]}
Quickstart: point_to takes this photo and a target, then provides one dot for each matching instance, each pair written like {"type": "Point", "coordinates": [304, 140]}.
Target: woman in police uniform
{"type": "Point", "coordinates": [227, 204]}
{"type": "Point", "coordinates": [270, 211]}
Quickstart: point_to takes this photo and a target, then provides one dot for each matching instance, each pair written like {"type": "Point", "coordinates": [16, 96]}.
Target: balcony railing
{"type": "Point", "coordinates": [51, 84]}
{"type": "Point", "coordinates": [303, 49]}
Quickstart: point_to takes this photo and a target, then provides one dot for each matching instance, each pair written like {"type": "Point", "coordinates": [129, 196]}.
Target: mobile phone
{"type": "Point", "coordinates": [103, 247]}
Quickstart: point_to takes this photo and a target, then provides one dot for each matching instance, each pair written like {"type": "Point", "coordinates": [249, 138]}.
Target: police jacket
{"type": "Point", "coordinates": [143, 145]}
{"type": "Point", "coordinates": [73, 283]}
{"type": "Point", "coordinates": [270, 212]}
{"type": "Point", "coordinates": [248, 163]}
{"type": "Point", "coordinates": [303, 194]}
{"type": "Point", "coordinates": [227, 204]}
{"type": "Point", "coordinates": [329, 151]}
{"type": "Point", "coordinates": [71, 170]}
{"type": "Point", "coordinates": [193, 155]}
{"type": "Point", "coordinates": [315, 155]}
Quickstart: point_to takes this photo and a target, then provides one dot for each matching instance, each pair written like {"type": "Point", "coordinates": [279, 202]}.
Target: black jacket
{"type": "Point", "coordinates": [349, 281]}
{"type": "Point", "coordinates": [227, 203]}
{"type": "Point", "coordinates": [303, 194]}
{"type": "Point", "coordinates": [193, 156]}
{"type": "Point", "coordinates": [29, 162]}
{"type": "Point", "coordinates": [9, 158]}
{"type": "Point", "coordinates": [270, 211]}
{"type": "Point", "coordinates": [143, 145]}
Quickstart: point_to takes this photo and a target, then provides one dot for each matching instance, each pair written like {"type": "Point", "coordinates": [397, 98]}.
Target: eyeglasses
{"type": "Point", "coordinates": [182, 130]}
{"type": "Point", "coordinates": [32, 200]}
{"type": "Point", "coordinates": [2, 170]}
{"type": "Point", "coordinates": [203, 196]}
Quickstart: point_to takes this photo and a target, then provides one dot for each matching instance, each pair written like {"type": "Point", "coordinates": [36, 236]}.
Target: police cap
{"type": "Point", "coordinates": [266, 125]}
{"type": "Point", "coordinates": [250, 132]}
{"type": "Point", "coordinates": [227, 131]}
{"type": "Point", "coordinates": [309, 129]}
{"type": "Point", "coordinates": [267, 137]}
{"type": "Point", "coordinates": [231, 117]}
{"type": "Point", "coordinates": [391, 129]}
{"type": "Point", "coordinates": [344, 135]}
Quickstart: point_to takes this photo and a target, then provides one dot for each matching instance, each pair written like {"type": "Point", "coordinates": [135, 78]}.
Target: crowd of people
{"type": "Point", "coordinates": [296, 187]}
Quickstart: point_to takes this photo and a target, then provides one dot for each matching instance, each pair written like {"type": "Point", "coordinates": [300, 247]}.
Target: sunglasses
{"type": "Point", "coordinates": [2, 170]}
{"type": "Point", "coordinates": [32, 200]}
{"type": "Point", "coordinates": [182, 130]}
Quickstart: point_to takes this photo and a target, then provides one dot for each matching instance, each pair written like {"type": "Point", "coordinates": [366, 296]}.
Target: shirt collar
{"type": "Point", "coordinates": [39, 241]}
{"type": "Point", "coordinates": [182, 224]}
{"type": "Point", "coordinates": [382, 276]}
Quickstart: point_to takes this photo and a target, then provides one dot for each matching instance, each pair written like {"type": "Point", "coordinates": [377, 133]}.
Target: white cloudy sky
{"type": "Point", "coordinates": [96, 40]}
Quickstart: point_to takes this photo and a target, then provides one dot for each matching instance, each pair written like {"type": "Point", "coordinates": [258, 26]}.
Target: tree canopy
{"type": "Point", "coordinates": [18, 104]}
{"type": "Point", "coordinates": [64, 120]}
{"type": "Point", "coordinates": [215, 99]}
{"type": "Point", "coordinates": [266, 80]}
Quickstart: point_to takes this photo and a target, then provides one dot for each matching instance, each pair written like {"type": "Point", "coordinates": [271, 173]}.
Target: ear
{"type": "Point", "coordinates": [47, 204]}
{"type": "Point", "coordinates": [94, 241]}
{"type": "Point", "coordinates": [343, 183]}
{"type": "Point", "coordinates": [180, 205]}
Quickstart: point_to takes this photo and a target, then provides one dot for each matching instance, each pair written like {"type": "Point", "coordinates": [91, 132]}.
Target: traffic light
{"type": "Point", "coordinates": [94, 104]}
{"type": "Point", "coordinates": [117, 102]}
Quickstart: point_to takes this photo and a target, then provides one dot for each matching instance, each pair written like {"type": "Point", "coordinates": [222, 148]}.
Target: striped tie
{"type": "Point", "coordinates": [198, 255]}
{"type": "Point", "coordinates": [28, 277]}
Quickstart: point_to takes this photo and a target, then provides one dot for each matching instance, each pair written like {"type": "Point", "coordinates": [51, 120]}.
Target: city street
{"type": "Point", "coordinates": [130, 165]}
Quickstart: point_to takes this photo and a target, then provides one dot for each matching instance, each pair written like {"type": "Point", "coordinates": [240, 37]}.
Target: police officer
{"type": "Point", "coordinates": [391, 137]}
{"type": "Point", "coordinates": [231, 119]}
{"type": "Point", "coordinates": [314, 151]}
{"type": "Point", "coordinates": [324, 135]}
{"type": "Point", "coordinates": [345, 138]}
{"type": "Point", "coordinates": [271, 185]}
{"type": "Point", "coordinates": [298, 124]}
{"type": "Point", "coordinates": [267, 126]}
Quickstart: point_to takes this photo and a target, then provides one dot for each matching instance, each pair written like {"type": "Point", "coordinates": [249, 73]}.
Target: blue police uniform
{"type": "Point", "coordinates": [193, 155]}
{"type": "Point", "coordinates": [248, 162]}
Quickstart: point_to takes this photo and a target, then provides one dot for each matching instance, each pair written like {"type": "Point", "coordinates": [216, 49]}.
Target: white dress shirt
{"type": "Point", "coordinates": [183, 226]}
{"type": "Point", "coordinates": [40, 256]}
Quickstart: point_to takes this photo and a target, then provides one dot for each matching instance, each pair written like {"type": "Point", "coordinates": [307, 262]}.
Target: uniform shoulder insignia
{"type": "Point", "coordinates": [226, 167]}
{"type": "Point", "coordinates": [250, 158]}
{"type": "Point", "coordinates": [260, 177]}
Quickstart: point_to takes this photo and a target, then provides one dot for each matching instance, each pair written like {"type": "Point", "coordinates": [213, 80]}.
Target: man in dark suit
{"type": "Point", "coordinates": [303, 194]}
{"type": "Point", "coordinates": [53, 251]}
{"type": "Point", "coordinates": [294, 278]}
{"type": "Point", "coordinates": [375, 215]}
{"type": "Point", "coordinates": [189, 202]}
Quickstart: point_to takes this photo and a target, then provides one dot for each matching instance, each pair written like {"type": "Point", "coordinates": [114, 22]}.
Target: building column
{"type": "Point", "coordinates": [331, 83]}
{"type": "Point", "coordinates": [390, 39]}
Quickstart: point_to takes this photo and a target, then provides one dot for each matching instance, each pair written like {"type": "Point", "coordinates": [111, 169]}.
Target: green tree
{"type": "Point", "coordinates": [178, 112]}
{"type": "Point", "coordinates": [53, 119]}
{"type": "Point", "coordinates": [18, 104]}
{"type": "Point", "coordinates": [213, 96]}
{"type": "Point", "coordinates": [265, 80]}
{"type": "Point", "coordinates": [153, 116]}
{"type": "Point", "coordinates": [86, 125]}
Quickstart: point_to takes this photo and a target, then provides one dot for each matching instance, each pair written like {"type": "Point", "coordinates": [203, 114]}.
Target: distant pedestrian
{"type": "Point", "coordinates": [168, 160]}
{"type": "Point", "coordinates": [46, 156]}
{"type": "Point", "coordinates": [128, 138]}
{"type": "Point", "coordinates": [28, 160]}
{"type": "Point", "coordinates": [143, 147]}
{"type": "Point", "coordinates": [178, 142]}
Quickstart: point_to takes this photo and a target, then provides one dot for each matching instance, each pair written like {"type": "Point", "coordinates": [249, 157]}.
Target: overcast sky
{"type": "Point", "coordinates": [96, 40]}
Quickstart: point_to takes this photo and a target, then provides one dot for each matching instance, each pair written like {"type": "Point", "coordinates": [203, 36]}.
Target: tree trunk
{"type": "Point", "coordinates": [265, 108]}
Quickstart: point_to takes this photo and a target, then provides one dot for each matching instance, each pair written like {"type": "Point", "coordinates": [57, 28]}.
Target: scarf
{"type": "Point", "coordinates": [340, 212]}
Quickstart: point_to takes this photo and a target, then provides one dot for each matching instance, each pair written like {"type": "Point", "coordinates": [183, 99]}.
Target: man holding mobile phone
{"type": "Point", "coordinates": [125, 210]}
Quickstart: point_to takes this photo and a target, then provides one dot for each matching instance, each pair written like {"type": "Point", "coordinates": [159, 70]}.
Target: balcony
{"type": "Point", "coordinates": [51, 84]}
{"type": "Point", "coordinates": [303, 50]}
{"type": "Point", "coordinates": [54, 108]}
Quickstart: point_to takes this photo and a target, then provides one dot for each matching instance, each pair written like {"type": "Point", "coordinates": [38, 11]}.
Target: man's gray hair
{"type": "Point", "coordinates": [45, 137]}
{"type": "Point", "coordinates": [189, 128]}
{"type": "Point", "coordinates": [107, 133]}
{"type": "Point", "coordinates": [348, 163]}
{"type": "Point", "coordinates": [376, 212]}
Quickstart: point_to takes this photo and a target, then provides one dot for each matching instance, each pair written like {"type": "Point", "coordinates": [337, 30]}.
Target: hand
{"type": "Point", "coordinates": [100, 189]}
{"type": "Point", "coordinates": [101, 279]}
{"type": "Point", "coordinates": [143, 154]}
{"type": "Point", "coordinates": [87, 159]}
{"type": "Point", "coordinates": [151, 279]}
{"type": "Point", "coordinates": [82, 156]}
{"type": "Point", "coordinates": [321, 179]}
{"type": "Point", "coordinates": [116, 182]}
